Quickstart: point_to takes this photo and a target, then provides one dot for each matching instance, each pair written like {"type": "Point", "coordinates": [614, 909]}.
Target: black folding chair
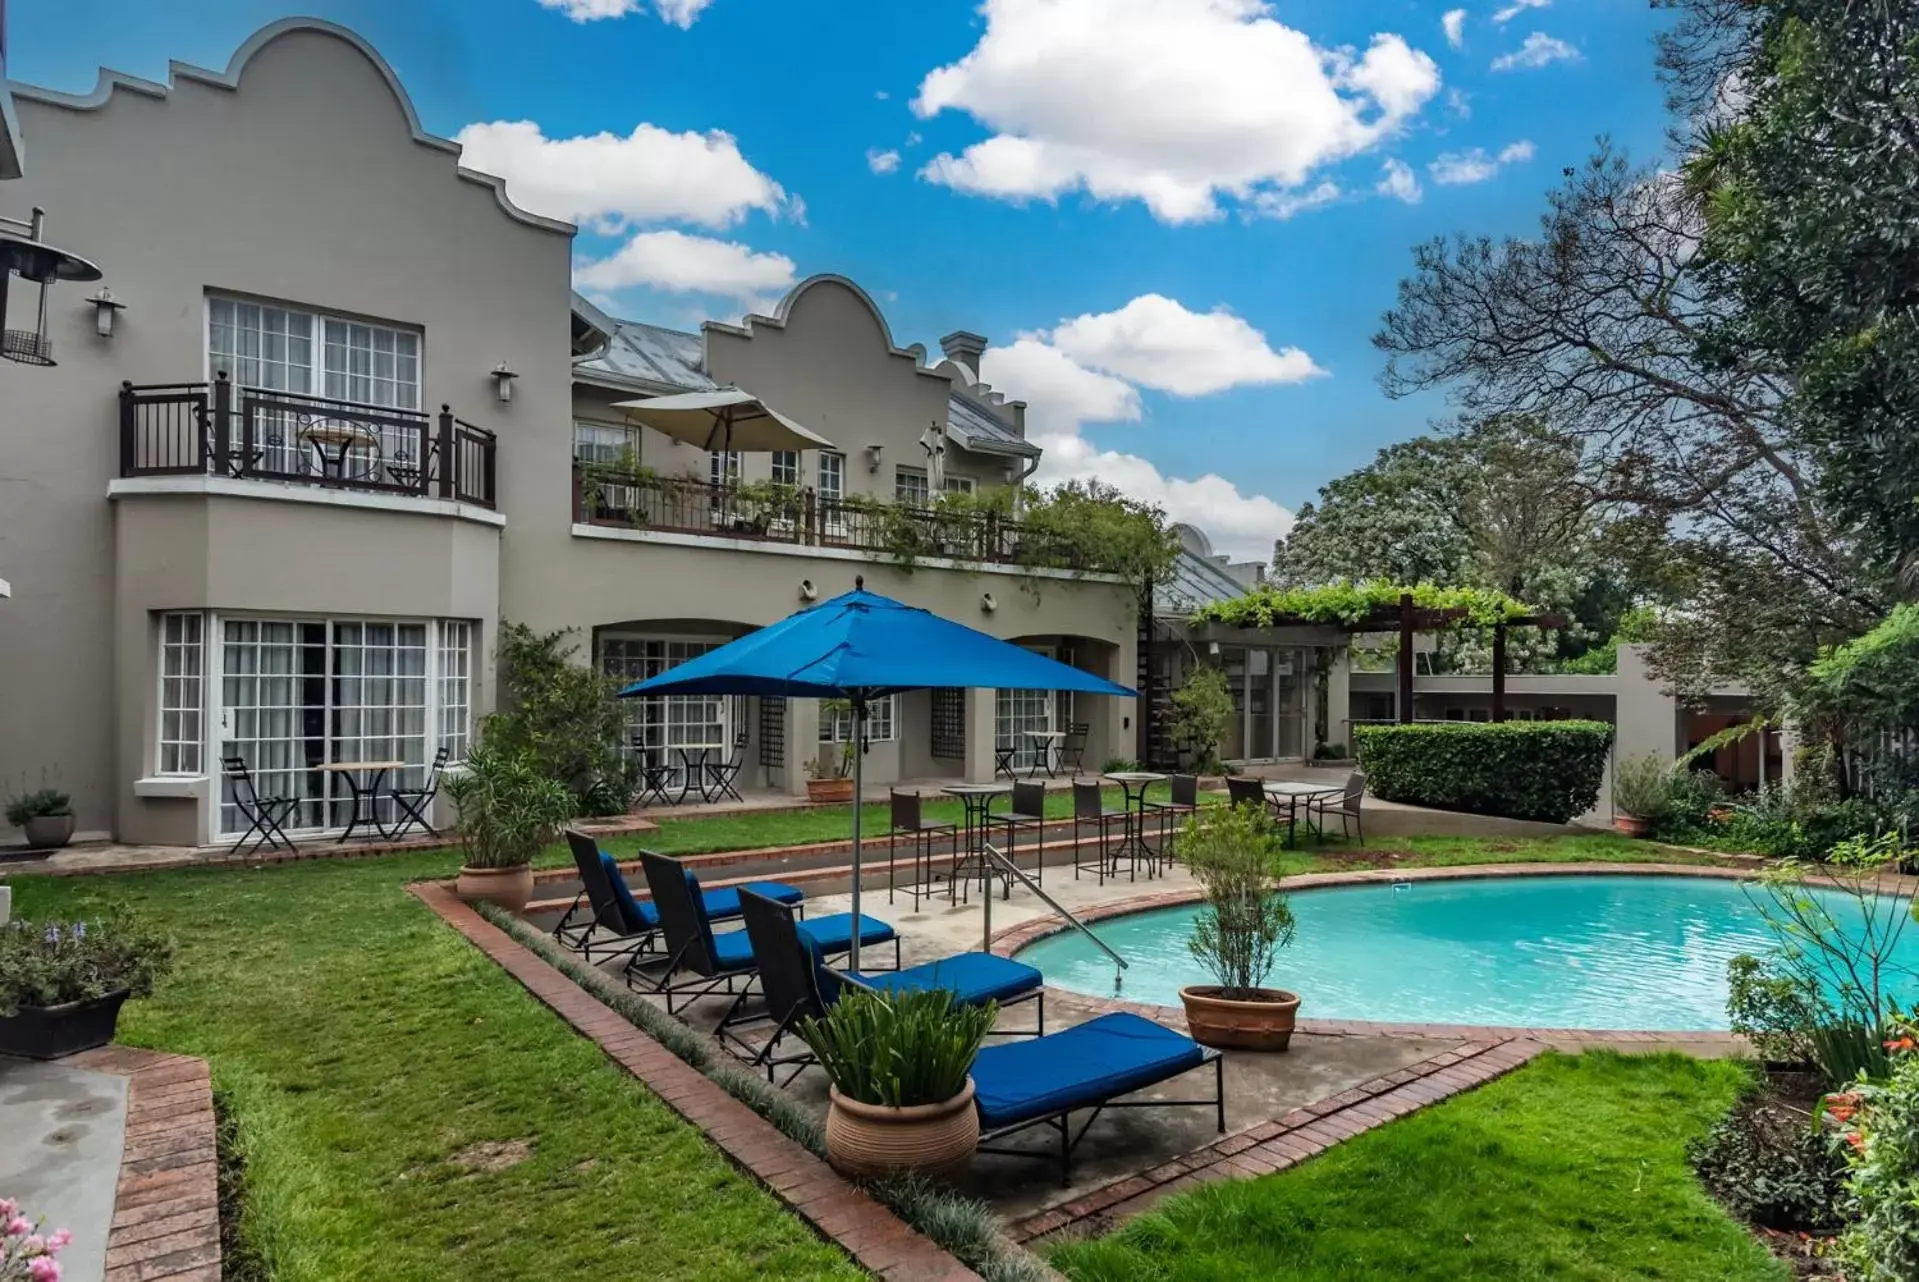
{"type": "Point", "coordinates": [725, 773]}
{"type": "Point", "coordinates": [1072, 749]}
{"type": "Point", "coordinates": [264, 815]}
{"type": "Point", "coordinates": [1089, 808]}
{"type": "Point", "coordinates": [1003, 755]}
{"type": "Point", "coordinates": [908, 822]}
{"type": "Point", "coordinates": [415, 804]}
{"type": "Point", "coordinates": [655, 776]}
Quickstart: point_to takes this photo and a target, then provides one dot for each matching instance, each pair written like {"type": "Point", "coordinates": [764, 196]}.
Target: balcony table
{"type": "Point", "coordinates": [341, 434]}
{"type": "Point", "coordinates": [366, 799]}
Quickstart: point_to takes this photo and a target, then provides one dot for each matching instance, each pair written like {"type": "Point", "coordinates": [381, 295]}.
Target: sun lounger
{"type": "Point", "coordinates": [606, 916]}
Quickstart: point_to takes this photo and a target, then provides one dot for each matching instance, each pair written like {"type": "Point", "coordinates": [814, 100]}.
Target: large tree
{"type": "Point", "coordinates": [1651, 323]}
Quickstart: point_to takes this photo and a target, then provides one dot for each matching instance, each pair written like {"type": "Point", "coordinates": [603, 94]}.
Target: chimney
{"type": "Point", "coordinates": [964, 348]}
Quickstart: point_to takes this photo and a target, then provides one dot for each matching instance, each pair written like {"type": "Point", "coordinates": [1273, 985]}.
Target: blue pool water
{"type": "Point", "coordinates": [1539, 952]}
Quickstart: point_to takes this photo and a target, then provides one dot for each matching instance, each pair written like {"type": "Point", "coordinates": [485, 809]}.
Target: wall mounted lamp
{"type": "Point", "coordinates": [104, 306]}
{"type": "Point", "coordinates": [503, 381]}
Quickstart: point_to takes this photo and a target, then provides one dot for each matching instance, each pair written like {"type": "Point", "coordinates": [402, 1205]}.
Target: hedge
{"type": "Point", "coordinates": [1546, 770]}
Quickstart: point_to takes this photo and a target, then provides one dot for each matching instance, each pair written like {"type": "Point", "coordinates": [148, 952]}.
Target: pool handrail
{"type": "Point", "coordinates": [989, 851]}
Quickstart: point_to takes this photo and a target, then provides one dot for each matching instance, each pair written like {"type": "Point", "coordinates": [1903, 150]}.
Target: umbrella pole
{"type": "Point", "coordinates": [859, 806]}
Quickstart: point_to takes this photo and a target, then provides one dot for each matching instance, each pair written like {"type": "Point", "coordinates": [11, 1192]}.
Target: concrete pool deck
{"type": "Point", "coordinates": [65, 1129]}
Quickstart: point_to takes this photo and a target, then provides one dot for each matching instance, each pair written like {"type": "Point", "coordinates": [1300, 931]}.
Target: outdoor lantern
{"type": "Point", "coordinates": [873, 458]}
{"type": "Point", "coordinates": [104, 306]}
{"type": "Point", "coordinates": [503, 381]}
{"type": "Point", "coordinates": [24, 254]}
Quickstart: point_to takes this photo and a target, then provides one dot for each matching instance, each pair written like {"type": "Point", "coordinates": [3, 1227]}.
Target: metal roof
{"type": "Point", "coordinates": [978, 430]}
{"type": "Point", "coordinates": [1196, 581]}
{"type": "Point", "coordinates": [653, 354]}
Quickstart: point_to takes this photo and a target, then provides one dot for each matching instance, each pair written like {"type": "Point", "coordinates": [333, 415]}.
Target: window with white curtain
{"type": "Point", "coordinates": [605, 444]}
{"type": "Point", "coordinates": [786, 467]}
{"type": "Point", "coordinates": [1018, 711]}
{"type": "Point", "coordinates": [663, 725]}
{"type": "Point", "coordinates": [882, 722]}
{"type": "Point", "coordinates": [182, 693]}
{"type": "Point", "coordinates": [297, 694]}
{"type": "Point", "coordinates": [910, 486]}
{"type": "Point", "coordinates": [959, 485]}
{"type": "Point", "coordinates": [723, 468]}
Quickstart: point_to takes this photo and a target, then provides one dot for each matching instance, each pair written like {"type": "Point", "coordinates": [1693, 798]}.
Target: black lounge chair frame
{"type": "Point", "coordinates": [1061, 1123]}
{"type": "Point", "coordinates": [604, 912]}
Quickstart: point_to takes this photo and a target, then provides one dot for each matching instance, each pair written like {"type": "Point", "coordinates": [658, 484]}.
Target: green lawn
{"type": "Point", "coordinates": [368, 1055]}
{"type": "Point", "coordinates": [1571, 1168]}
{"type": "Point", "coordinates": [1438, 852]}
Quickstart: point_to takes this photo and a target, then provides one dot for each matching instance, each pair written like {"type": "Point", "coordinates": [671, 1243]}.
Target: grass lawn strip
{"type": "Point", "coordinates": [1571, 1168]}
{"type": "Point", "coordinates": [407, 1110]}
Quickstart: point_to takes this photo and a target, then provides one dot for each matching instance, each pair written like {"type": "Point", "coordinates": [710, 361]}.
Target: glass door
{"type": "Point", "coordinates": [273, 715]}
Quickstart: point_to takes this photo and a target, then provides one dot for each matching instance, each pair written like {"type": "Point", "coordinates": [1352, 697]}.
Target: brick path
{"type": "Point", "coordinates": [166, 1209]}
{"type": "Point", "coordinates": [877, 1239]}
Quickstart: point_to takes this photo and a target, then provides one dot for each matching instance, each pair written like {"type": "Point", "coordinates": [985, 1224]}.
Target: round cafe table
{"type": "Point", "coordinates": [1290, 793]}
{"type": "Point", "coordinates": [1134, 783]}
{"type": "Point", "coordinates": [1047, 743]}
{"type": "Point", "coordinates": [366, 793]}
{"type": "Point", "coordinates": [976, 801]}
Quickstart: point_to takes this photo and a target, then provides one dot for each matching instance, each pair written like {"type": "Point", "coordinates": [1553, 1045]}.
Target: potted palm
{"type": "Point", "coordinates": [1241, 928]}
{"type": "Point", "coordinates": [902, 1096]}
{"type": "Point", "coordinates": [62, 983]}
{"type": "Point", "coordinates": [1642, 793]}
{"type": "Point", "coordinates": [509, 812]}
{"type": "Point", "coordinates": [46, 817]}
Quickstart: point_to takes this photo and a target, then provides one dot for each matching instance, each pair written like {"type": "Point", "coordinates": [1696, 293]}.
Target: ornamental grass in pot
{"type": "Point", "coordinates": [1241, 928]}
{"type": "Point", "coordinates": [509, 812]}
{"type": "Point", "coordinates": [902, 1095]}
{"type": "Point", "coordinates": [45, 816]}
{"type": "Point", "coordinates": [62, 983]}
{"type": "Point", "coordinates": [1642, 793]}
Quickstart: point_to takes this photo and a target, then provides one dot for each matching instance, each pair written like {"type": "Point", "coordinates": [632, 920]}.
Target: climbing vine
{"type": "Point", "coordinates": [1346, 603]}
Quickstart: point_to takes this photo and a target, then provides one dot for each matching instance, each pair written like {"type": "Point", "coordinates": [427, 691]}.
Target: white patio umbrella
{"type": "Point", "coordinates": [933, 441]}
{"type": "Point", "coordinates": [729, 419]}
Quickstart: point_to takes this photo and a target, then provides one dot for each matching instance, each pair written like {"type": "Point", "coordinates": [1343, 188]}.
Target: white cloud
{"type": "Point", "coordinates": [1453, 21]}
{"type": "Point", "coordinates": [1240, 525]}
{"type": "Point", "coordinates": [1518, 7]}
{"type": "Point", "coordinates": [593, 10]}
{"type": "Point", "coordinates": [882, 162]}
{"type": "Point", "coordinates": [677, 263]}
{"type": "Point", "coordinates": [1455, 168]}
{"type": "Point", "coordinates": [1059, 391]}
{"type": "Point", "coordinates": [1156, 342]}
{"type": "Point", "coordinates": [606, 180]}
{"type": "Point", "coordinates": [1398, 181]}
{"type": "Point", "coordinates": [1284, 204]}
{"type": "Point", "coordinates": [1459, 103]}
{"type": "Point", "coordinates": [1539, 50]}
{"type": "Point", "coordinates": [1176, 103]}
{"type": "Point", "coordinates": [681, 13]}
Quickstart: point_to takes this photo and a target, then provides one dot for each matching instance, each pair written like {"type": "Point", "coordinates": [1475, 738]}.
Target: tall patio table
{"type": "Point", "coordinates": [1133, 785]}
{"type": "Point", "coordinates": [1290, 793]}
{"type": "Point", "coordinates": [366, 798]}
{"type": "Point", "coordinates": [976, 800]}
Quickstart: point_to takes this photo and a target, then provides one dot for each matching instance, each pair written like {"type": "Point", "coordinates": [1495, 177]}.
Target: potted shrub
{"type": "Point", "coordinates": [1243, 924]}
{"type": "Point", "coordinates": [45, 816]}
{"type": "Point", "coordinates": [1642, 793]}
{"type": "Point", "coordinates": [62, 983]}
{"type": "Point", "coordinates": [509, 812]}
{"type": "Point", "coordinates": [901, 1097]}
{"type": "Point", "coordinates": [829, 775]}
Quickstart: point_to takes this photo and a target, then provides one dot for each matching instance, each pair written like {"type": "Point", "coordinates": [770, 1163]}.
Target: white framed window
{"type": "Point", "coordinates": [882, 722]}
{"type": "Point", "coordinates": [724, 467]}
{"type": "Point", "coordinates": [910, 487]}
{"type": "Point", "coordinates": [456, 688]}
{"type": "Point", "coordinates": [182, 694]}
{"type": "Point", "coordinates": [604, 444]}
{"type": "Point", "coordinates": [959, 485]}
{"type": "Point", "coordinates": [299, 694]}
{"type": "Point", "coordinates": [786, 467]}
{"type": "Point", "coordinates": [1017, 711]}
{"type": "Point", "coordinates": [372, 364]}
{"type": "Point", "coordinates": [832, 475]}
{"type": "Point", "coordinates": [663, 725]}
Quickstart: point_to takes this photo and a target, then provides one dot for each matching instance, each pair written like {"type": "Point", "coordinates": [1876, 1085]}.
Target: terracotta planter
{"type": "Point", "coordinates": [1631, 825]}
{"type": "Point", "coordinates": [50, 1032]}
{"type": "Point", "coordinates": [507, 888]}
{"type": "Point", "coordinates": [1240, 1025]}
{"type": "Point", "coordinates": [48, 832]}
{"type": "Point", "coordinates": [931, 1139]}
{"type": "Point", "coordinates": [829, 789]}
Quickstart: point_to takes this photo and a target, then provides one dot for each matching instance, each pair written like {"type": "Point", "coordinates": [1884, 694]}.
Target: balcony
{"type": "Point", "coordinates": [218, 429]}
{"type": "Point", "coordinates": [781, 514]}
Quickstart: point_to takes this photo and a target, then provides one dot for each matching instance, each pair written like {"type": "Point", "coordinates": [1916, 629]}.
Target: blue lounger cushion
{"type": "Point", "coordinates": [974, 978]}
{"type": "Point", "coordinates": [833, 934]}
{"type": "Point", "coordinates": [721, 903]}
{"type": "Point", "coordinates": [1082, 1066]}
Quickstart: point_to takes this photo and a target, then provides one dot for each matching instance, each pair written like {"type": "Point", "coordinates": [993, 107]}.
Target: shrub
{"type": "Point", "coordinates": [1545, 770]}
{"type": "Point", "coordinates": [1882, 1243]}
{"type": "Point", "coordinates": [1642, 787]}
{"type": "Point", "coordinates": [1245, 921]}
{"type": "Point", "coordinates": [899, 1050]}
{"type": "Point", "coordinates": [509, 811]}
{"type": "Point", "coordinates": [563, 717]}
{"type": "Point", "coordinates": [1772, 1011]}
{"type": "Point", "coordinates": [1202, 709]}
{"type": "Point", "coordinates": [1771, 1166]}
{"type": "Point", "coordinates": [34, 805]}
{"type": "Point", "coordinates": [51, 963]}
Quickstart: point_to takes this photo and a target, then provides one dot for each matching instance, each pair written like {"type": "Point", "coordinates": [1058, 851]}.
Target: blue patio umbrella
{"type": "Point", "coordinates": [859, 647]}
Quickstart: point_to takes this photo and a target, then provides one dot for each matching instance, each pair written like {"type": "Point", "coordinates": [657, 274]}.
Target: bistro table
{"type": "Point", "coordinates": [1047, 744]}
{"type": "Point", "coordinates": [694, 768]}
{"type": "Point", "coordinates": [1133, 784]}
{"type": "Point", "coordinates": [976, 799]}
{"type": "Point", "coordinates": [1290, 793]}
{"type": "Point", "coordinates": [340, 436]}
{"type": "Point", "coordinates": [366, 799]}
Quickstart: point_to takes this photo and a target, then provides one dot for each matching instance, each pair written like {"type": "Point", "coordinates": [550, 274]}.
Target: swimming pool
{"type": "Point", "coordinates": [1625, 952]}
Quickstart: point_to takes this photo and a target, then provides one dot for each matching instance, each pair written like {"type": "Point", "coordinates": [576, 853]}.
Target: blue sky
{"type": "Point", "coordinates": [1178, 221]}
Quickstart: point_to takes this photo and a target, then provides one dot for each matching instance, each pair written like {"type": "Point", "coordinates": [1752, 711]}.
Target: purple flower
{"type": "Point", "coordinates": [53, 935]}
{"type": "Point", "coordinates": [79, 930]}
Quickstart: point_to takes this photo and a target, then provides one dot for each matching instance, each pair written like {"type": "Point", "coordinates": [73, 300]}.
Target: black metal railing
{"type": "Point", "coordinates": [611, 496]}
{"type": "Point", "coordinates": [218, 429]}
